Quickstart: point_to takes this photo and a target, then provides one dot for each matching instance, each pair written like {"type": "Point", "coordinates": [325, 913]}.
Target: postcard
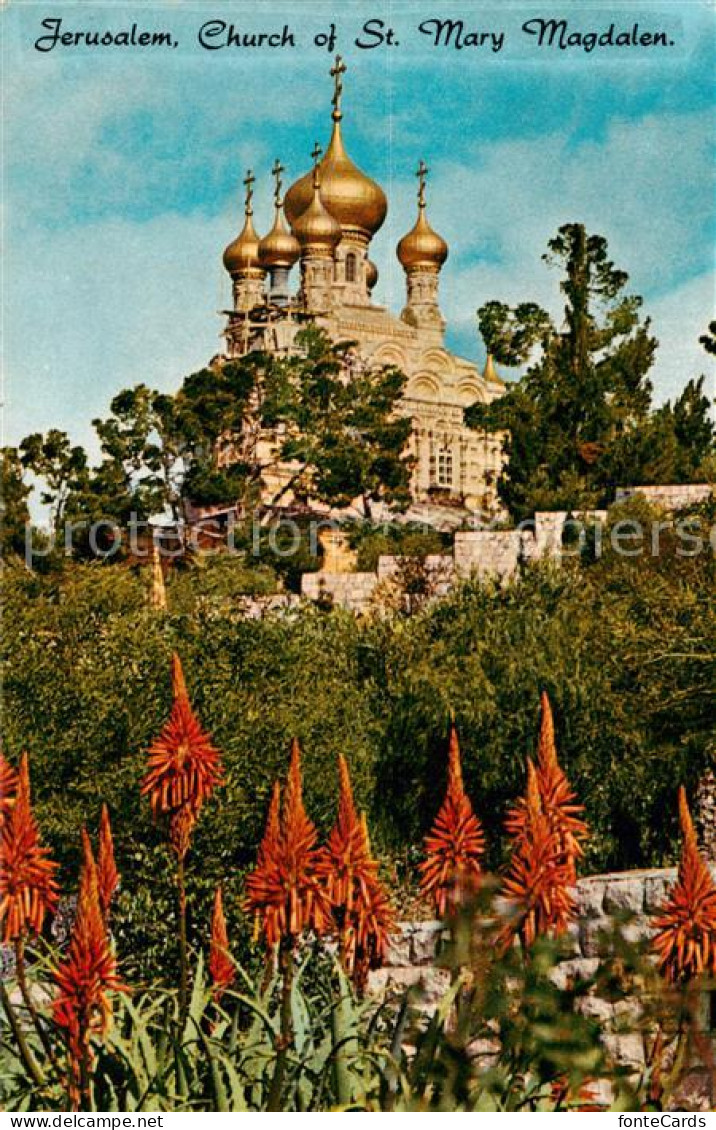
{"type": "Point", "coordinates": [358, 526]}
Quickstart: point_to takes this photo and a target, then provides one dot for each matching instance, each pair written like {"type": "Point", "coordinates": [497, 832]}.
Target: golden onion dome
{"type": "Point", "coordinates": [242, 254]}
{"type": "Point", "coordinates": [316, 229]}
{"type": "Point", "coordinates": [279, 248]}
{"type": "Point", "coordinates": [422, 248]}
{"type": "Point", "coordinates": [371, 274]}
{"type": "Point", "coordinates": [356, 201]}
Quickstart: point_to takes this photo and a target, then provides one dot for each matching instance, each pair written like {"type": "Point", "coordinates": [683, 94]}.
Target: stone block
{"type": "Point", "coordinates": [424, 942]}
{"type": "Point", "coordinates": [624, 895]}
{"type": "Point", "coordinates": [626, 1049]}
{"type": "Point", "coordinates": [594, 936]}
{"type": "Point", "coordinates": [590, 898]}
{"type": "Point", "coordinates": [596, 1009]}
{"type": "Point", "coordinates": [579, 968]}
{"type": "Point", "coordinates": [656, 889]}
{"type": "Point", "coordinates": [398, 949]}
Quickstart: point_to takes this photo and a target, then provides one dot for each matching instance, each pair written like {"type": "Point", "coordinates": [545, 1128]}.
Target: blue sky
{"type": "Point", "coordinates": [122, 175]}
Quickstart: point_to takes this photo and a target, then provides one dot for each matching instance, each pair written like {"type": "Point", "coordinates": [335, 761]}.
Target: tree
{"type": "Point", "coordinates": [142, 438]}
{"type": "Point", "coordinates": [321, 420]}
{"type": "Point", "coordinates": [61, 466]}
{"type": "Point", "coordinates": [587, 384]}
{"type": "Point", "coordinates": [14, 512]}
{"type": "Point", "coordinates": [708, 340]}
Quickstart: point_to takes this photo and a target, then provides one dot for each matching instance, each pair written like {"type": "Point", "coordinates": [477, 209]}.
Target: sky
{"type": "Point", "coordinates": [123, 168]}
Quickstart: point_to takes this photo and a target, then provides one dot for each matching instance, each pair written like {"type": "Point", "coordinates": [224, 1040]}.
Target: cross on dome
{"type": "Point", "coordinates": [249, 180]}
{"type": "Point", "coordinates": [337, 72]}
{"type": "Point", "coordinates": [421, 174]}
{"type": "Point", "coordinates": [276, 171]}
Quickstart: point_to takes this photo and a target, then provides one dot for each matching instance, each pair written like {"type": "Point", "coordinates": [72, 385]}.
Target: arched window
{"type": "Point", "coordinates": [350, 267]}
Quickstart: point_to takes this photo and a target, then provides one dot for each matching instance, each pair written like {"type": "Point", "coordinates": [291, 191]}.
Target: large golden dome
{"type": "Point", "coordinates": [279, 248]}
{"type": "Point", "coordinates": [316, 229]}
{"type": "Point", "coordinates": [356, 201]}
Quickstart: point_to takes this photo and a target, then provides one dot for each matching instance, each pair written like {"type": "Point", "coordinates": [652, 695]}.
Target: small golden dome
{"type": "Point", "coordinates": [356, 201]}
{"type": "Point", "coordinates": [242, 254]}
{"type": "Point", "coordinates": [371, 274]}
{"type": "Point", "coordinates": [315, 229]}
{"type": "Point", "coordinates": [422, 248]}
{"type": "Point", "coordinates": [279, 248]}
{"type": "Point", "coordinates": [490, 372]}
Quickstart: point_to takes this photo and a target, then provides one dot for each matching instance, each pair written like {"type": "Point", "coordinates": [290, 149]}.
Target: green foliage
{"type": "Point", "coordinates": [579, 421]}
{"type": "Point", "coordinates": [405, 539]}
{"type": "Point", "coordinates": [14, 512]}
{"type": "Point", "coordinates": [512, 1032]}
{"type": "Point", "coordinates": [336, 438]}
{"type": "Point", "coordinates": [625, 646]}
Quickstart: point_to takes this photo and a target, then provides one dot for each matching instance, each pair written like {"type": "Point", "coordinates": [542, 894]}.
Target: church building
{"type": "Point", "coordinates": [325, 225]}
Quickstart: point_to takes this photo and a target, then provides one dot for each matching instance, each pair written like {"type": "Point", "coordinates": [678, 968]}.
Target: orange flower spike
{"type": "Point", "coordinates": [221, 967]}
{"type": "Point", "coordinates": [88, 975]}
{"type": "Point", "coordinates": [539, 878]}
{"type": "Point", "coordinates": [183, 767]}
{"type": "Point", "coordinates": [28, 890]}
{"type": "Point", "coordinates": [346, 848]}
{"type": "Point", "coordinates": [107, 874]}
{"type": "Point", "coordinates": [284, 889]}
{"type": "Point", "coordinates": [361, 904]}
{"type": "Point", "coordinates": [455, 845]}
{"type": "Point", "coordinates": [8, 788]}
{"type": "Point", "coordinates": [685, 940]}
{"type": "Point", "coordinates": [178, 680]}
{"type": "Point", "coordinates": [557, 796]}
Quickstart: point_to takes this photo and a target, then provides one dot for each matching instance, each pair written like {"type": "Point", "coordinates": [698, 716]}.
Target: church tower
{"type": "Point", "coordinates": [353, 199]}
{"type": "Point", "coordinates": [279, 249]}
{"type": "Point", "coordinates": [422, 253]}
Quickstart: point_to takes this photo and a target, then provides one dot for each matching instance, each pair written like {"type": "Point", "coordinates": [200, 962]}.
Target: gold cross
{"type": "Point", "coordinates": [315, 154]}
{"type": "Point", "coordinates": [337, 72]}
{"type": "Point", "coordinates": [249, 182]}
{"type": "Point", "coordinates": [421, 175]}
{"type": "Point", "coordinates": [276, 173]}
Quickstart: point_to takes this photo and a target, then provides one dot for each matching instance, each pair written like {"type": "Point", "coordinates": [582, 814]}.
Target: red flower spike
{"type": "Point", "coordinates": [107, 873]}
{"type": "Point", "coordinates": [28, 890]}
{"type": "Point", "coordinates": [451, 869]}
{"type": "Point", "coordinates": [8, 788]}
{"type": "Point", "coordinates": [539, 878]}
{"type": "Point", "coordinates": [183, 768]}
{"type": "Point", "coordinates": [221, 967]}
{"type": "Point", "coordinates": [361, 905]}
{"type": "Point", "coordinates": [685, 941]}
{"type": "Point", "coordinates": [88, 975]}
{"type": "Point", "coordinates": [556, 795]}
{"type": "Point", "coordinates": [284, 890]}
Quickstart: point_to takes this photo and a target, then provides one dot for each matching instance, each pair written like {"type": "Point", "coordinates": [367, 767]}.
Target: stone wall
{"type": "Point", "coordinates": [347, 590]}
{"type": "Point", "coordinates": [489, 553]}
{"type": "Point", "coordinates": [602, 900]}
{"type": "Point", "coordinates": [673, 496]}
